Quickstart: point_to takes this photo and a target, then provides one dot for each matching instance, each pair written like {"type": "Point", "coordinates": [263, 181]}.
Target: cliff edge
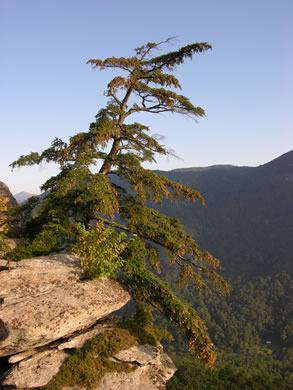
{"type": "Point", "coordinates": [50, 316]}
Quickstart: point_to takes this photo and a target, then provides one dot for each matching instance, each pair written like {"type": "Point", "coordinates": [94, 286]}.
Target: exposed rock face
{"type": "Point", "coordinates": [46, 310]}
{"type": "Point", "coordinates": [44, 300]}
{"type": "Point", "coordinates": [10, 201]}
{"type": "Point", "coordinates": [7, 195]}
{"type": "Point", "coordinates": [38, 367]}
{"type": "Point", "coordinates": [21, 197]}
{"type": "Point", "coordinates": [36, 371]}
{"type": "Point", "coordinates": [154, 369]}
{"type": "Point", "coordinates": [78, 341]}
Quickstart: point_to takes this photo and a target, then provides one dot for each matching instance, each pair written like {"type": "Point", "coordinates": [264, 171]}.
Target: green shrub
{"type": "Point", "coordinates": [99, 249]}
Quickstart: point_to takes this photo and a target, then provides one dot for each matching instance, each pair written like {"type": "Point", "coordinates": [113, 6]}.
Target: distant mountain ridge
{"type": "Point", "coordinates": [280, 163]}
{"type": "Point", "coordinates": [200, 169]}
{"type": "Point", "coordinates": [248, 222]}
{"type": "Point", "coordinates": [22, 196]}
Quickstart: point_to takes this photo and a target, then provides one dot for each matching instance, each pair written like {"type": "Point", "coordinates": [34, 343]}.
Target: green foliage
{"type": "Point", "coordinates": [87, 365]}
{"type": "Point", "coordinates": [50, 239]}
{"type": "Point", "coordinates": [116, 195]}
{"type": "Point", "coordinates": [256, 312]}
{"type": "Point", "coordinates": [146, 287]}
{"type": "Point", "coordinates": [254, 372]}
{"type": "Point", "coordinates": [248, 224]}
{"type": "Point", "coordinates": [43, 244]}
{"type": "Point", "coordinates": [240, 327]}
{"type": "Point", "coordinates": [141, 325]}
{"type": "Point", "coordinates": [99, 250]}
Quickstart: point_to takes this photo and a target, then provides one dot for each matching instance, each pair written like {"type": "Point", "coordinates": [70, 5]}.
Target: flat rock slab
{"type": "Point", "coordinates": [38, 368]}
{"type": "Point", "coordinates": [36, 371]}
{"type": "Point", "coordinates": [31, 277]}
{"type": "Point", "coordinates": [142, 354]}
{"type": "Point", "coordinates": [154, 369]}
{"type": "Point", "coordinates": [49, 302]}
{"type": "Point", "coordinates": [79, 341]}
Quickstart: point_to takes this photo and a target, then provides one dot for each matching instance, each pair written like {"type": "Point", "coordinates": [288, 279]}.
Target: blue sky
{"type": "Point", "coordinates": [245, 84]}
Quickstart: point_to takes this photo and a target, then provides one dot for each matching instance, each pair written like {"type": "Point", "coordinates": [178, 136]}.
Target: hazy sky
{"type": "Point", "coordinates": [245, 84]}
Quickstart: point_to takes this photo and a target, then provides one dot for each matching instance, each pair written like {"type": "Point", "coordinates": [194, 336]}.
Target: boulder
{"type": "Point", "coordinates": [44, 299]}
{"type": "Point", "coordinates": [34, 277]}
{"type": "Point", "coordinates": [37, 368]}
{"type": "Point", "coordinates": [47, 308]}
{"type": "Point", "coordinates": [154, 369]}
{"type": "Point", "coordinates": [36, 371]}
{"type": "Point", "coordinates": [79, 340]}
{"type": "Point", "coordinates": [75, 341]}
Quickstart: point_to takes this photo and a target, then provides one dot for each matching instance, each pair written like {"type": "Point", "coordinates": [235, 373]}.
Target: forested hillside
{"type": "Point", "coordinates": [248, 225]}
{"type": "Point", "coordinates": [248, 222]}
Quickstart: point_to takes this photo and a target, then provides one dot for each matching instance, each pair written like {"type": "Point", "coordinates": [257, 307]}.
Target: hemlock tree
{"type": "Point", "coordinates": [103, 212]}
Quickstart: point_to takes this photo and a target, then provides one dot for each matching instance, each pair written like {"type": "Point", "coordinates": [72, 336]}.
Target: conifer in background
{"type": "Point", "coordinates": [102, 194]}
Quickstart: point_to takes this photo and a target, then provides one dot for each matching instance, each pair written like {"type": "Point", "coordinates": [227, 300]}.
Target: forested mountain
{"type": "Point", "coordinates": [248, 222]}
{"type": "Point", "coordinates": [248, 225]}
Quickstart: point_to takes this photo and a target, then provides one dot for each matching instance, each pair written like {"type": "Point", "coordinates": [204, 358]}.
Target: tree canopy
{"type": "Point", "coordinates": [103, 195]}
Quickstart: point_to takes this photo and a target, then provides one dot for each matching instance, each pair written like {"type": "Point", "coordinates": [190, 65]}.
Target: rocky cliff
{"type": "Point", "coordinates": [50, 316]}
{"type": "Point", "coordinates": [10, 201]}
{"type": "Point", "coordinates": [7, 195]}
